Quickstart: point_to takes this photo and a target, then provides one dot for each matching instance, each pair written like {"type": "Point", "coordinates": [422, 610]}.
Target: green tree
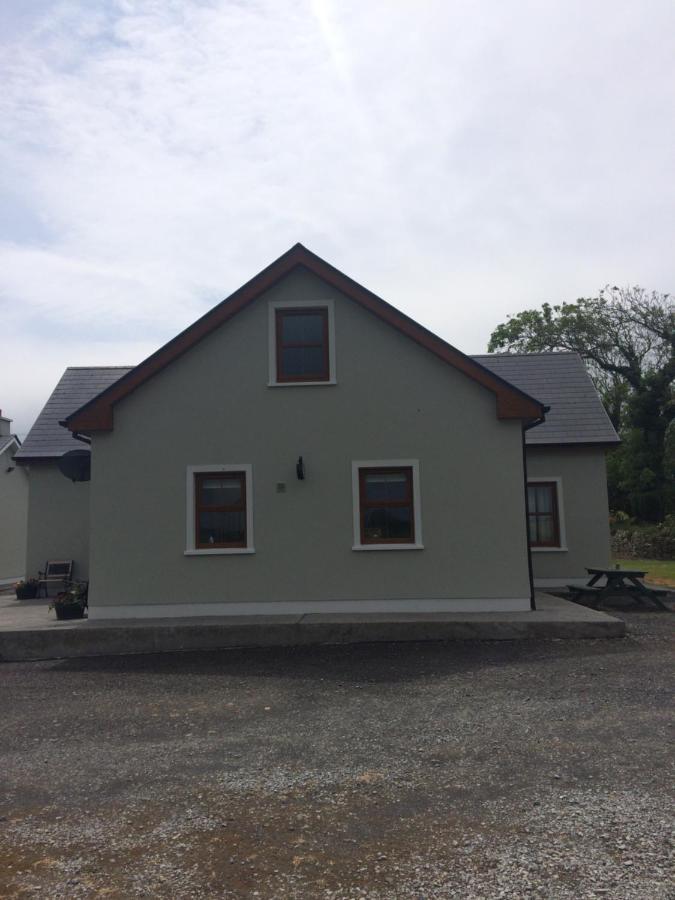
{"type": "Point", "coordinates": [627, 338]}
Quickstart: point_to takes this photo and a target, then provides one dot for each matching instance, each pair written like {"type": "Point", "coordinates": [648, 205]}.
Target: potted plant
{"type": "Point", "coordinates": [72, 602]}
{"type": "Point", "coordinates": [26, 589]}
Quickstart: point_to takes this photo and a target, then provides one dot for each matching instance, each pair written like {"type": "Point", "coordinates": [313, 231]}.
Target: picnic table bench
{"type": "Point", "coordinates": [618, 583]}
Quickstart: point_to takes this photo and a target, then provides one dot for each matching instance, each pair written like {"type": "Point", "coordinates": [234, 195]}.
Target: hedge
{"type": "Point", "coordinates": [645, 541]}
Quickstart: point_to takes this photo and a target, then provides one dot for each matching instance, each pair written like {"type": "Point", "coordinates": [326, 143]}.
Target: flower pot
{"type": "Point", "coordinates": [69, 610]}
{"type": "Point", "coordinates": [27, 592]}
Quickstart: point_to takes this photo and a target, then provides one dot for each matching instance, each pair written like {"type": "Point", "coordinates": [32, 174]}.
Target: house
{"type": "Point", "coordinates": [13, 507]}
{"type": "Point", "coordinates": [306, 447]}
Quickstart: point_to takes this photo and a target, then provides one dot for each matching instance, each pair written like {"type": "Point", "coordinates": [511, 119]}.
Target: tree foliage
{"type": "Point", "coordinates": [627, 338]}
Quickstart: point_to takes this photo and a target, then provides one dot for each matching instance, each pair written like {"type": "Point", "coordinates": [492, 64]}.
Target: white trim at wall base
{"type": "Point", "coordinates": [300, 608]}
{"type": "Point", "coordinates": [5, 581]}
{"type": "Point", "coordinates": [560, 582]}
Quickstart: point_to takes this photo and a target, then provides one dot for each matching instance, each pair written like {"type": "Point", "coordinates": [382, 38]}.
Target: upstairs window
{"type": "Point", "coordinates": [543, 515]}
{"type": "Point", "coordinates": [302, 344]}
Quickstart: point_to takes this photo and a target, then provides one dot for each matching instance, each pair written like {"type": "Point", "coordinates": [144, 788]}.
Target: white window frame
{"type": "Point", "coordinates": [561, 513]}
{"type": "Point", "coordinates": [413, 464]}
{"type": "Point", "coordinates": [273, 306]}
{"type": "Point", "coordinates": [190, 524]}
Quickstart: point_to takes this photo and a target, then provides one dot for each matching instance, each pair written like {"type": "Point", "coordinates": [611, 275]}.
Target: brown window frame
{"type": "Point", "coordinates": [365, 504]}
{"type": "Point", "coordinates": [555, 513]}
{"type": "Point", "coordinates": [324, 374]}
{"type": "Point", "coordinates": [239, 507]}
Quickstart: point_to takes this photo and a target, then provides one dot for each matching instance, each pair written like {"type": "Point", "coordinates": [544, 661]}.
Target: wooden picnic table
{"type": "Point", "coordinates": [618, 583]}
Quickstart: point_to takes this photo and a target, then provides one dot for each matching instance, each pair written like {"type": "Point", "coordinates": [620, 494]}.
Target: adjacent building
{"type": "Point", "coordinates": [13, 507]}
{"type": "Point", "coordinates": [58, 508]}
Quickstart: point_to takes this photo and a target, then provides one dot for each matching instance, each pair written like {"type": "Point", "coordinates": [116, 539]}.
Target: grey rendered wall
{"type": "Point", "coordinates": [392, 400]}
{"type": "Point", "coordinates": [585, 511]}
{"type": "Point", "coordinates": [13, 517]}
{"type": "Point", "coordinates": [58, 519]}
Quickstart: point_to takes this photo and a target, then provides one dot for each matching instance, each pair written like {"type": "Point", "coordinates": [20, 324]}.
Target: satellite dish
{"type": "Point", "coordinates": [76, 465]}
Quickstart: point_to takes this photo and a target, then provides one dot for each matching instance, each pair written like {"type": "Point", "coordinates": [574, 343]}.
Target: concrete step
{"type": "Point", "coordinates": [554, 618]}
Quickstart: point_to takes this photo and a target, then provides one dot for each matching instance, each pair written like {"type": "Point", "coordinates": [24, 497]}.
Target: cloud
{"type": "Point", "coordinates": [463, 160]}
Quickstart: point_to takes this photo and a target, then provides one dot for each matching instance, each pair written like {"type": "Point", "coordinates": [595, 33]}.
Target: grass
{"type": "Point", "coordinates": [660, 571]}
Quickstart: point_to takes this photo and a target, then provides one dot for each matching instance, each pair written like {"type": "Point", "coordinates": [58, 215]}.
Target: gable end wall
{"type": "Point", "coordinates": [392, 400]}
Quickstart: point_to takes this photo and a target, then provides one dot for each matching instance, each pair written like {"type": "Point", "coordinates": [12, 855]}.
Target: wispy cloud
{"type": "Point", "coordinates": [461, 159]}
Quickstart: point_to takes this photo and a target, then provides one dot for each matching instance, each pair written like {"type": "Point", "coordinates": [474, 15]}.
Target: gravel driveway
{"type": "Point", "coordinates": [468, 770]}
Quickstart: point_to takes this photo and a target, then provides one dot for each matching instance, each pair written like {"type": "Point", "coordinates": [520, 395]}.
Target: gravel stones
{"type": "Point", "coordinates": [473, 770]}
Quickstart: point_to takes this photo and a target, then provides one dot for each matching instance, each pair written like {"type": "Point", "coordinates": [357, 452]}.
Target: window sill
{"type": "Point", "coordinates": [220, 551]}
{"type": "Point", "coordinates": [549, 549]}
{"type": "Point", "coordinates": [388, 547]}
{"type": "Point", "coordinates": [301, 383]}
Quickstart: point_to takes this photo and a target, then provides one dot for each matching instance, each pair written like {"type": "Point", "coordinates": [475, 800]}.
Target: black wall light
{"type": "Point", "coordinates": [300, 469]}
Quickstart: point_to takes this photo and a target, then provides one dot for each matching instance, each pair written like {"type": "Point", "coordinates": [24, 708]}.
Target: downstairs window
{"type": "Point", "coordinates": [386, 505]}
{"type": "Point", "coordinates": [219, 514]}
{"type": "Point", "coordinates": [543, 516]}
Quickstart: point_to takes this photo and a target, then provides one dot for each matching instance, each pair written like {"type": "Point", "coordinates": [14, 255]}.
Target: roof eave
{"type": "Point", "coordinates": [607, 444]}
{"type": "Point", "coordinates": [26, 460]}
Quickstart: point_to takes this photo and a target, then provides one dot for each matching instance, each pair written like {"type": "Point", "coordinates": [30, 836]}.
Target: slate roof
{"type": "Point", "coordinates": [559, 380]}
{"type": "Point", "coordinates": [49, 440]}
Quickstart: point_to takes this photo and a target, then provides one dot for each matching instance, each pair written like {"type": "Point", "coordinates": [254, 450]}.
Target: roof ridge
{"type": "Point", "coordinates": [534, 353]}
{"type": "Point", "coordinates": [89, 368]}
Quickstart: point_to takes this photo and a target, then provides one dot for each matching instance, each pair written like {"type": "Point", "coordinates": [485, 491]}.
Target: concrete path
{"type": "Point", "coordinates": [29, 631]}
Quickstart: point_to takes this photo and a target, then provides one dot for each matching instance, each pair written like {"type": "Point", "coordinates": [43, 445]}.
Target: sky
{"type": "Point", "coordinates": [463, 160]}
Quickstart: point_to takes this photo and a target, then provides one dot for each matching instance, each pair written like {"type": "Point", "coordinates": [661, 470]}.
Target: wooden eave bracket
{"type": "Point", "coordinates": [98, 418]}
{"type": "Point", "coordinates": [515, 407]}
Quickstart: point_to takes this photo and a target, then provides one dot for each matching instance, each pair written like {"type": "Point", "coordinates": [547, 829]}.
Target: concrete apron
{"type": "Point", "coordinates": [33, 636]}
